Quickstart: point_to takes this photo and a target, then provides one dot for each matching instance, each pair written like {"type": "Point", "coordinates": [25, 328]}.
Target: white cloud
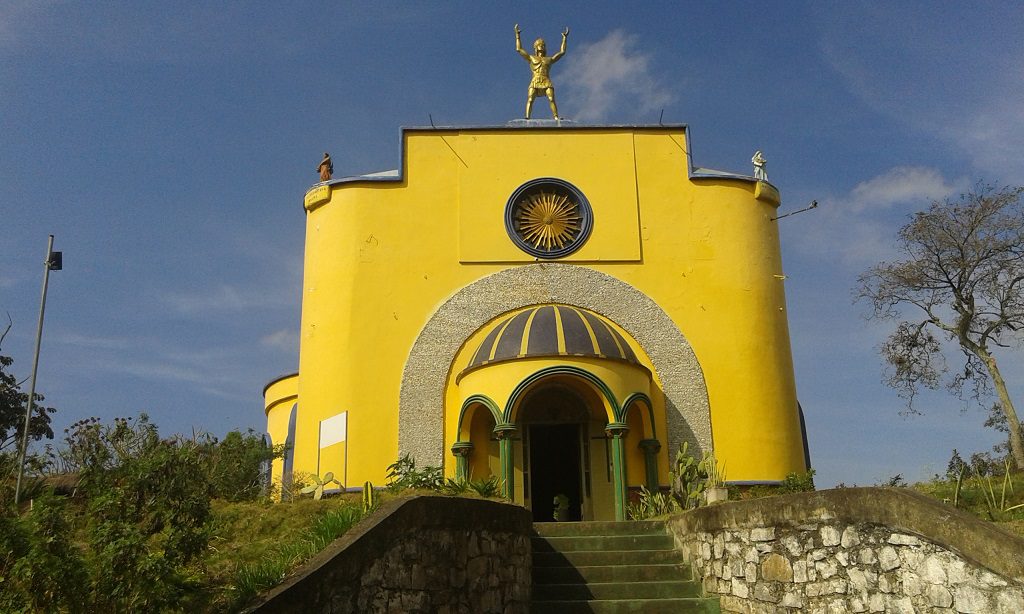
{"type": "Point", "coordinates": [223, 298]}
{"type": "Point", "coordinates": [858, 228]}
{"type": "Point", "coordinates": [900, 185]}
{"type": "Point", "coordinates": [286, 340]}
{"type": "Point", "coordinates": [611, 73]}
{"type": "Point", "coordinates": [106, 343]}
{"type": "Point", "coordinates": [994, 135]}
{"type": "Point", "coordinates": [222, 371]}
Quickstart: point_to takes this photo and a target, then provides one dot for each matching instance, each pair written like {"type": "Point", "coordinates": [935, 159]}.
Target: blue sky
{"type": "Point", "coordinates": [168, 146]}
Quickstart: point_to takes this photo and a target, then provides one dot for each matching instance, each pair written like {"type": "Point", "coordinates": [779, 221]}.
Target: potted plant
{"type": "Point", "coordinates": [715, 489]}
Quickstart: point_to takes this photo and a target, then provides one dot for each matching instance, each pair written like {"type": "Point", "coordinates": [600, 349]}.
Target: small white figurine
{"type": "Point", "coordinates": [759, 162]}
{"type": "Point", "coordinates": [561, 512]}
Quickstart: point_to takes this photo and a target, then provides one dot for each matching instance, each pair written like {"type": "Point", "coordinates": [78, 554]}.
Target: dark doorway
{"type": "Point", "coordinates": [555, 469]}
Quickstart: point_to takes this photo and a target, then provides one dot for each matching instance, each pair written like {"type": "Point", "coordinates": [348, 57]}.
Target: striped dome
{"type": "Point", "coordinates": [552, 330]}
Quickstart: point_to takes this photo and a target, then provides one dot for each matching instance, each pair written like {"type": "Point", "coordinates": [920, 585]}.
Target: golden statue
{"type": "Point", "coordinates": [540, 64]}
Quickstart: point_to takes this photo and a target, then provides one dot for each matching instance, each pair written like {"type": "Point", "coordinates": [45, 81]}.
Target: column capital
{"type": "Point", "coordinates": [462, 448]}
{"type": "Point", "coordinates": [506, 430]}
{"type": "Point", "coordinates": [650, 445]}
{"type": "Point", "coordinates": [616, 429]}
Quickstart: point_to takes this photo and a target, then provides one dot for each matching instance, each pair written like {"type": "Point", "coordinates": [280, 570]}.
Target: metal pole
{"type": "Point", "coordinates": [35, 367]}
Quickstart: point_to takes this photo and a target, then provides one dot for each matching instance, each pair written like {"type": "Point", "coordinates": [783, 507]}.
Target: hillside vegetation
{"type": "Point", "coordinates": [138, 523]}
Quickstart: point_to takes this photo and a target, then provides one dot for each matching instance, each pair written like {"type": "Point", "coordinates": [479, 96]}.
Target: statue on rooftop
{"type": "Point", "coordinates": [540, 64]}
{"type": "Point", "coordinates": [326, 168]}
{"type": "Point", "coordinates": [760, 163]}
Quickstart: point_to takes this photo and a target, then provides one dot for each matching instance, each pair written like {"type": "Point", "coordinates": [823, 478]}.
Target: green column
{"type": "Point", "coordinates": [617, 431]}
{"type": "Point", "coordinates": [462, 450]}
{"type": "Point", "coordinates": [505, 434]}
{"type": "Point", "coordinates": [651, 447]}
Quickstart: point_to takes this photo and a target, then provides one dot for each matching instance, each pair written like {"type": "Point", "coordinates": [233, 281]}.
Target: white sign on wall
{"type": "Point", "coordinates": [334, 430]}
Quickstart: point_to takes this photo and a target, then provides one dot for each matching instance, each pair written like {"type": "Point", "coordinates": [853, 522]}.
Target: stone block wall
{"type": "Point", "coordinates": [852, 550]}
{"type": "Point", "coordinates": [420, 554]}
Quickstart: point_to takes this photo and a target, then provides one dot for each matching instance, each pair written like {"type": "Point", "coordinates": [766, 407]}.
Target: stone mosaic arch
{"type": "Point", "coordinates": [421, 398]}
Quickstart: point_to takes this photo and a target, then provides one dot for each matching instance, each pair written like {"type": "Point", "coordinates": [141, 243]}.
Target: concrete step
{"type": "Point", "coordinates": [613, 573]}
{"type": "Point", "coordinates": [579, 543]}
{"type": "Point", "coordinates": [609, 567]}
{"type": "Point", "coordinates": [616, 606]}
{"type": "Point", "coordinates": [632, 527]}
{"type": "Point", "coordinates": [616, 591]}
{"type": "Point", "coordinates": [609, 557]}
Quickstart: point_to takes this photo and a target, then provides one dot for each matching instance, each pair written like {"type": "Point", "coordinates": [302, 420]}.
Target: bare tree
{"type": "Point", "coordinates": [958, 278]}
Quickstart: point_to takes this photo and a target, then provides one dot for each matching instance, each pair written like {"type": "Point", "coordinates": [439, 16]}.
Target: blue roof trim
{"type": "Point", "coordinates": [398, 175]}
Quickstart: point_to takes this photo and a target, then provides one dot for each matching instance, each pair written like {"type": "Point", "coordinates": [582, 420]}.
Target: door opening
{"type": "Point", "coordinates": [555, 469]}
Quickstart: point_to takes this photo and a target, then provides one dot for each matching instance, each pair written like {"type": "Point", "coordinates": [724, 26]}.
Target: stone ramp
{"type": "Point", "coordinates": [609, 567]}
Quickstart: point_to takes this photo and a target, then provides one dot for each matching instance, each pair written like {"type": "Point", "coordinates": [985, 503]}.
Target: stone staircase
{"type": "Point", "coordinates": [607, 567]}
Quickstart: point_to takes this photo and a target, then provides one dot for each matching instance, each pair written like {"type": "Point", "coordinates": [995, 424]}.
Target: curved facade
{"type": "Point", "coordinates": [456, 310]}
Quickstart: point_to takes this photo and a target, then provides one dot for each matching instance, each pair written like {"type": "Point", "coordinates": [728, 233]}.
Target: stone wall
{"type": "Point", "coordinates": [852, 550]}
{"type": "Point", "coordinates": [419, 554]}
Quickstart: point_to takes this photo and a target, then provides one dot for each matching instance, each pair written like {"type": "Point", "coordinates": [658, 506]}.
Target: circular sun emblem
{"type": "Point", "coordinates": [548, 218]}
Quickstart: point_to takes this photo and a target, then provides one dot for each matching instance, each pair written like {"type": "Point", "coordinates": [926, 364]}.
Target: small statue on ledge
{"type": "Point", "coordinates": [540, 64]}
{"type": "Point", "coordinates": [326, 168]}
{"type": "Point", "coordinates": [760, 166]}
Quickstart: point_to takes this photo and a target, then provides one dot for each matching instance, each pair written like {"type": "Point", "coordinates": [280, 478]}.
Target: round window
{"type": "Point", "coordinates": [548, 218]}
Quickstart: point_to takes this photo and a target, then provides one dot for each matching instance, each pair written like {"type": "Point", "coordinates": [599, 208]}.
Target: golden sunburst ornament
{"type": "Point", "coordinates": [548, 218]}
{"type": "Point", "coordinates": [548, 221]}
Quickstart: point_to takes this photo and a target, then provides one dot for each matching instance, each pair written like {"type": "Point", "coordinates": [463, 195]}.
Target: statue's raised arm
{"type": "Point", "coordinates": [519, 46]}
{"type": "Point", "coordinates": [561, 51]}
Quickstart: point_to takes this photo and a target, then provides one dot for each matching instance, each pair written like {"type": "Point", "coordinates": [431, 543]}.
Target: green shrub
{"type": "Point", "coordinates": [651, 504]}
{"type": "Point", "coordinates": [238, 465]}
{"type": "Point", "coordinates": [453, 486]}
{"type": "Point", "coordinates": [486, 487]}
{"type": "Point", "coordinates": [40, 570]}
{"type": "Point", "coordinates": [145, 523]}
{"type": "Point", "coordinates": [798, 482]}
{"type": "Point", "coordinates": [149, 512]}
{"type": "Point", "coordinates": [403, 474]}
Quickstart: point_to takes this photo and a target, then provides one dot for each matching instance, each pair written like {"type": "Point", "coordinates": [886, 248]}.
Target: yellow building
{"type": "Point", "coordinates": [557, 305]}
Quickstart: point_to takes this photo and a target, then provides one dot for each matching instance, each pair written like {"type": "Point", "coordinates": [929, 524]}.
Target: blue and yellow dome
{"type": "Point", "coordinates": [552, 330]}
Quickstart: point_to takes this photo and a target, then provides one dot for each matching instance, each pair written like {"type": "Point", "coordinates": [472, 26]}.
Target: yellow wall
{"type": "Point", "coordinates": [382, 256]}
{"type": "Point", "coordinates": [278, 398]}
{"type": "Point", "coordinates": [598, 162]}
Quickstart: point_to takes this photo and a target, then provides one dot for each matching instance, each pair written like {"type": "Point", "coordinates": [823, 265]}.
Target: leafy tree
{"type": "Point", "coordinates": [239, 464]}
{"type": "Point", "coordinates": [959, 278]}
{"type": "Point", "coordinates": [12, 408]}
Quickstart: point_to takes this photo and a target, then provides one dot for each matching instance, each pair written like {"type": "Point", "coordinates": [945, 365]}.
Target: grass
{"type": "Point", "coordinates": [990, 498]}
{"type": "Point", "coordinates": [256, 545]}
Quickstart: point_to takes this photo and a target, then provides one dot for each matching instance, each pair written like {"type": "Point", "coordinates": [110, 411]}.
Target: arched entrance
{"type": "Point", "coordinates": [562, 388]}
{"type": "Point", "coordinates": [422, 407]}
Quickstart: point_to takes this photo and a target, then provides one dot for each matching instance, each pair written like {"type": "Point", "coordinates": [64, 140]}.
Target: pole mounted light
{"type": "Point", "coordinates": [54, 262]}
{"type": "Point", "coordinates": [813, 205]}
